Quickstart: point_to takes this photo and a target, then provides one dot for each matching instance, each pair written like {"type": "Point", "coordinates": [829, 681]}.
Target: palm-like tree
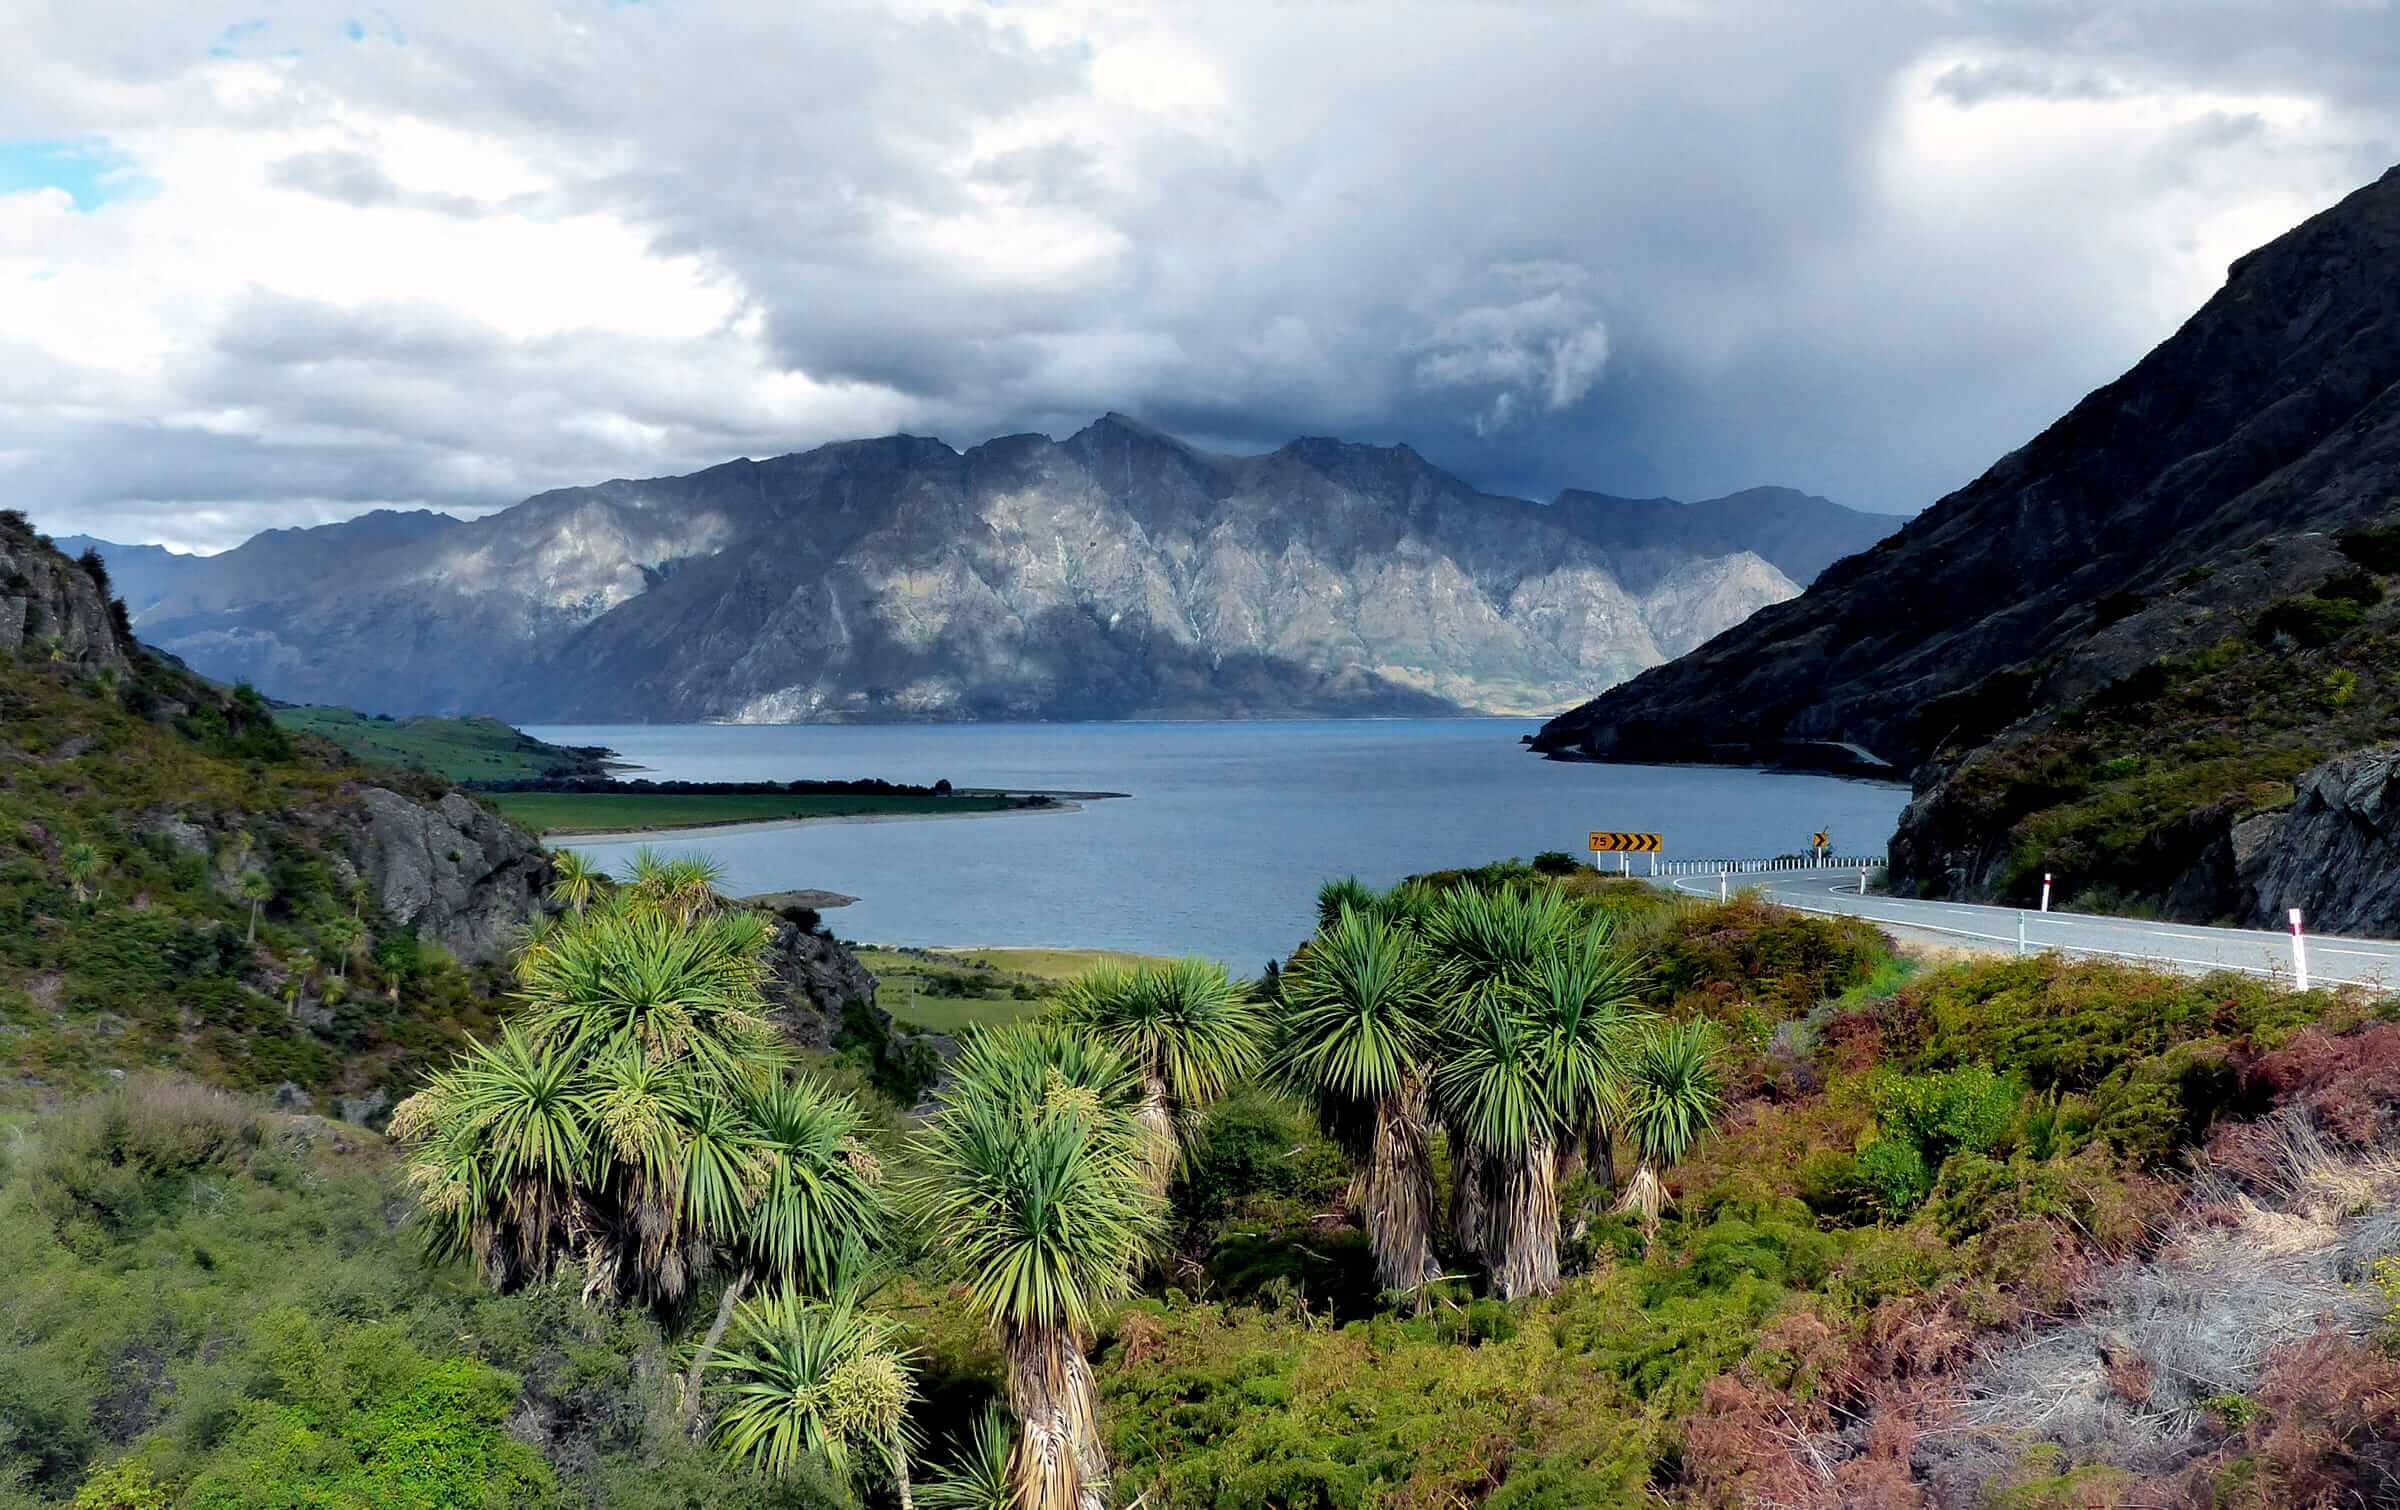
{"type": "Point", "coordinates": [1189, 1032]}
{"type": "Point", "coordinates": [82, 864]}
{"type": "Point", "coordinates": [684, 887]}
{"type": "Point", "coordinates": [346, 938]}
{"type": "Point", "coordinates": [813, 1380]}
{"type": "Point", "coordinates": [1354, 1025]}
{"type": "Point", "coordinates": [1482, 949]}
{"type": "Point", "coordinates": [255, 889]}
{"type": "Point", "coordinates": [1033, 1194]}
{"type": "Point", "coordinates": [1675, 1091]}
{"type": "Point", "coordinates": [574, 880]}
{"type": "Point", "coordinates": [503, 1143]}
{"type": "Point", "coordinates": [640, 976]}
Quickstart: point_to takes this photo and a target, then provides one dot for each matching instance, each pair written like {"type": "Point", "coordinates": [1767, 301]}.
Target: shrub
{"type": "Point", "coordinates": [2310, 621]}
{"type": "Point", "coordinates": [2377, 548]}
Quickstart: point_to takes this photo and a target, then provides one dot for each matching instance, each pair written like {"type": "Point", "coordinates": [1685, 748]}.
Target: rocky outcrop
{"type": "Point", "coordinates": [448, 868]}
{"type": "Point", "coordinates": [2274, 411]}
{"type": "Point", "coordinates": [812, 982]}
{"type": "Point", "coordinates": [53, 604]}
{"type": "Point", "coordinates": [824, 1000]}
{"type": "Point", "coordinates": [2334, 853]}
{"type": "Point", "coordinates": [1115, 573]}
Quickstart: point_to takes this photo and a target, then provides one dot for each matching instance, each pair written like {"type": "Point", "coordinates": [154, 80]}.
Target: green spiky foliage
{"type": "Point", "coordinates": [804, 1381]}
{"type": "Point", "coordinates": [1483, 946]}
{"type": "Point", "coordinates": [347, 938]}
{"type": "Point", "coordinates": [502, 1142]}
{"type": "Point", "coordinates": [1346, 892]}
{"type": "Point", "coordinates": [977, 1479]}
{"type": "Point", "coordinates": [1187, 1029]}
{"type": "Point", "coordinates": [1351, 1036]}
{"type": "Point", "coordinates": [643, 976]}
{"type": "Point", "coordinates": [575, 882]}
{"type": "Point", "coordinates": [1033, 1196]}
{"type": "Point", "coordinates": [819, 1192]}
{"type": "Point", "coordinates": [257, 890]}
{"type": "Point", "coordinates": [1585, 1001]}
{"type": "Point", "coordinates": [81, 862]}
{"type": "Point", "coordinates": [1674, 1093]}
{"type": "Point", "coordinates": [694, 1145]}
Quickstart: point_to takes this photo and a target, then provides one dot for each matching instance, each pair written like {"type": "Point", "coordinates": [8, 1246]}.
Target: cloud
{"type": "Point", "coordinates": [1637, 245]}
{"type": "Point", "coordinates": [1539, 339]}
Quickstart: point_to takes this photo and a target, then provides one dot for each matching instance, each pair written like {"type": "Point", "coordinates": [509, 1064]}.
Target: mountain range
{"type": "Point", "coordinates": [1117, 573]}
{"type": "Point", "coordinates": [2152, 647]}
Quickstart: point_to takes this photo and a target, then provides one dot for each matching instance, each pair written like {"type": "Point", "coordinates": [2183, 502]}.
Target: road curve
{"type": "Point", "coordinates": [2332, 960]}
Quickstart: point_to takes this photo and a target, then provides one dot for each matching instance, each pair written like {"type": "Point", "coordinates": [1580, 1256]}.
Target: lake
{"type": "Point", "coordinates": [1228, 832]}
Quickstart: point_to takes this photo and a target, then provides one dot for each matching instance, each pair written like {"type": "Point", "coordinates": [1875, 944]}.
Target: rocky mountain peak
{"type": "Point", "coordinates": [2274, 409]}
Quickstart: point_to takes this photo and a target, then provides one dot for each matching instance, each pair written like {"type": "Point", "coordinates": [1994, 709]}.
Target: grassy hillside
{"type": "Point", "coordinates": [460, 749]}
{"type": "Point", "coordinates": [157, 963]}
{"type": "Point", "coordinates": [2127, 789]}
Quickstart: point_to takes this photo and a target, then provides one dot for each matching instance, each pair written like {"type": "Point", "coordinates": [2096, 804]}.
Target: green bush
{"type": "Point", "coordinates": [2310, 621]}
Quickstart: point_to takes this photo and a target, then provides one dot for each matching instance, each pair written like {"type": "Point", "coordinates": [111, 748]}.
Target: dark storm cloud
{"type": "Point", "coordinates": [1642, 247]}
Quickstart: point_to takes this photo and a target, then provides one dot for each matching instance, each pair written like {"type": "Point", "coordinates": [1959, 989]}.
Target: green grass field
{"type": "Point", "coordinates": [949, 989]}
{"type": "Point", "coordinates": [463, 749]}
{"type": "Point", "coordinates": [603, 812]}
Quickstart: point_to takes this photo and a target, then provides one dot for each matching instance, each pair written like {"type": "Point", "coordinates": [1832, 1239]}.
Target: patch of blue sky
{"type": "Point", "coordinates": [379, 26]}
{"type": "Point", "coordinates": [90, 171]}
{"type": "Point", "coordinates": [234, 36]}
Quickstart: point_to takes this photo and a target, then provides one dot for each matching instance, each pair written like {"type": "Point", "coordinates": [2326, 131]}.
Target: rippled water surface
{"type": "Point", "coordinates": [1229, 831]}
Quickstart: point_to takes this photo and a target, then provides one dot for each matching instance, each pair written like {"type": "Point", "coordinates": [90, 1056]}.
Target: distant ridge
{"type": "Point", "coordinates": [1117, 573]}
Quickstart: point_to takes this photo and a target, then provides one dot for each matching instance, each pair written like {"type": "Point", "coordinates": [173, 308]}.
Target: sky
{"type": "Point", "coordinates": [280, 263]}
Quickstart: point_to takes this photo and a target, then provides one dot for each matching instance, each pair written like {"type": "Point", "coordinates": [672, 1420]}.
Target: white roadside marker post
{"type": "Point", "coordinates": [2045, 891]}
{"type": "Point", "coordinates": [1624, 864]}
{"type": "Point", "coordinates": [1722, 883]}
{"type": "Point", "coordinates": [2020, 930]}
{"type": "Point", "coordinates": [1862, 880]}
{"type": "Point", "coordinates": [2299, 952]}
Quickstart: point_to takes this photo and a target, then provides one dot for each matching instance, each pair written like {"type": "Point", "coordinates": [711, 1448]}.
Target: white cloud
{"type": "Point", "coordinates": [516, 244]}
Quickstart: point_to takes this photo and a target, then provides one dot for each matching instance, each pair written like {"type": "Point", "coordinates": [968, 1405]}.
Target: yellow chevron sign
{"type": "Point", "coordinates": [1640, 844]}
{"type": "Point", "coordinates": [1820, 841]}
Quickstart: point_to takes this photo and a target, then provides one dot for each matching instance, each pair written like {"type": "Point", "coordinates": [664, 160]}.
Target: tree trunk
{"type": "Point", "coordinates": [1599, 1155]}
{"type": "Point", "coordinates": [1396, 1197]}
{"type": "Point", "coordinates": [253, 935]}
{"type": "Point", "coordinates": [690, 1408]}
{"type": "Point", "coordinates": [1525, 1222]}
{"type": "Point", "coordinates": [1058, 1463]}
{"type": "Point", "coordinates": [1473, 1173]}
{"type": "Point", "coordinates": [1155, 1118]}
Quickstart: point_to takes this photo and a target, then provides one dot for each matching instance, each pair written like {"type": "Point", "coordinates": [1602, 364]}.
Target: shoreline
{"type": "Point", "coordinates": [764, 825]}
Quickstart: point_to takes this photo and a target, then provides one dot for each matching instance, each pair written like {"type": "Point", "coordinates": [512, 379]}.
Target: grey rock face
{"type": "Point", "coordinates": [2334, 853]}
{"type": "Point", "coordinates": [48, 601]}
{"type": "Point", "coordinates": [811, 981]}
{"type": "Point", "coordinates": [450, 870]}
{"type": "Point", "coordinates": [189, 837]}
{"type": "Point", "coordinates": [1116, 573]}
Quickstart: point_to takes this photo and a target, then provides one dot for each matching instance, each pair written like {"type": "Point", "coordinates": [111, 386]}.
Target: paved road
{"type": "Point", "coordinates": [2331, 960]}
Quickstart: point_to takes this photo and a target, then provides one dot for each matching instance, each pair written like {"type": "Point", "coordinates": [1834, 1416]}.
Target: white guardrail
{"type": "Point", "coordinates": [2383, 975]}
{"type": "Point", "coordinates": [1761, 867]}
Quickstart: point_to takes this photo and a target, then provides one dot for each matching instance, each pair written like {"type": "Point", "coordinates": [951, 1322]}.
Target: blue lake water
{"type": "Point", "coordinates": [1228, 832]}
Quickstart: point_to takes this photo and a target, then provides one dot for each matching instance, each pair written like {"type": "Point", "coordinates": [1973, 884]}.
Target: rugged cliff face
{"type": "Point", "coordinates": [2146, 650]}
{"type": "Point", "coordinates": [1116, 573]}
{"type": "Point", "coordinates": [2272, 411]}
{"type": "Point", "coordinates": [54, 607]}
{"type": "Point", "coordinates": [446, 868]}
